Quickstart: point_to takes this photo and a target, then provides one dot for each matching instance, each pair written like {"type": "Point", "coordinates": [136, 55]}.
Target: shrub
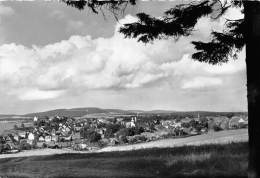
{"type": "Point", "coordinates": [130, 131]}
{"type": "Point", "coordinates": [90, 134]}
{"type": "Point", "coordinates": [2, 140]}
{"type": "Point", "coordinates": [122, 139]}
{"type": "Point", "coordinates": [25, 146]}
{"type": "Point", "coordinates": [125, 132]}
{"type": "Point", "coordinates": [94, 136]}
{"type": "Point", "coordinates": [1, 148]}
{"type": "Point", "coordinates": [217, 128]}
{"type": "Point", "coordinates": [186, 125]}
{"type": "Point", "coordinates": [111, 129]}
{"type": "Point", "coordinates": [103, 143]}
{"type": "Point", "coordinates": [137, 138]}
{"type": "Point", "coordinates": [44, 145]}
{"type": "Point", "coordinates": [15, 127]}
{"type": "Point", "coordinates": [138, 130]}
{"type": "Point", "coordinates": [84, 131]}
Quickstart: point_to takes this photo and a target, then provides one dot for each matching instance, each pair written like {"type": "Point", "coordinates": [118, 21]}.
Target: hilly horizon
{"type": "Point", "coordinates": [79, 112]}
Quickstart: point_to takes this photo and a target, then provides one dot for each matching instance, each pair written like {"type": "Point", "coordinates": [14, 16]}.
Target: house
{"type": "Point", "coordinates": [104, 121]}
{"type": "Point", "coordinates": [31, 136]}
{"type": "Point", "coordinates": [113, 141]}
{"type": "Point", "coordinates": [47, 138]}
{"type": "Point", "coordinates": [76, 136]}
{"type": "Point", "coordinates": [16, 137]}
{"type": "Point", "coordinates": [35, 119]}
{"type": "Point", "coordinates": [120, 119]}
{"type": "Point", "coordinates": [83, 146]}
{"type": "Point", "coordinates": [54, 138]}
{"type": "Point", "coordinates": [131, 124]}
{"type": "Point", "coordinates": [242, 123]}
{"type": "Point", "coordinates": [77, 128]}
{"type": "Point", "coordinates": [165, 124]}
{"type": "Point", "coordinates": [234, 122]}
{"type": "Point", "coordinates": [51, 118]}
{"type": "Point", "coordinates": [53, 132]}
{"type": "Point", "coordinates": [41, 139]}
{"type": "Point", "coordinates": [186, 120]}
{"type": "Point", "coordinates": [22, 134]}
{"type": "Point", "coordinates": [66, 138]}
{"type": "Point", "coordinates": [241, 120]}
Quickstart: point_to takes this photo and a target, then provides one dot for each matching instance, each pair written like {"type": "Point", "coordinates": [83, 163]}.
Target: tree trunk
{"type": "Point", "coordinates": [252, 37]}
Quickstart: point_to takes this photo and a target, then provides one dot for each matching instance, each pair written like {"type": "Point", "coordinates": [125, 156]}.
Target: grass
{"type": "Point", "coordinates": [215, 160]}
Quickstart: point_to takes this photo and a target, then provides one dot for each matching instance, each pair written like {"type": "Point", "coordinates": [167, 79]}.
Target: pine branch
{"type": "Point", "coordinates": [223, 45]}
{"type": "Point", "coordinates": [178, 21]}
{"type": "Point", "coordinates": [96, 5]}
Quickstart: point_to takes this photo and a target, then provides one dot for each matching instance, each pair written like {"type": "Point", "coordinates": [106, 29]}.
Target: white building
{"type": "Point", "coordinates": [31, 136]}
{"type": "Point", "coordinates": [35, 119]}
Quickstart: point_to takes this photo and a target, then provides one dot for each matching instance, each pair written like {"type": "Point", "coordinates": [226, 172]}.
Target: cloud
{"type": "Point", "coordinates": [36, 94]}
{"type": "Point", "coordinates": [58, 14]}
{"type": "Point", "coordinates": [200, 82]}
{"type": "Point", "coordinates": [233, 14]}
{"type": "Point", "coordinates": [82, 63]}
{"type": "Point", "coordinates": [5, 10]}
{"type": "Point", "coordinates": [74, 25]}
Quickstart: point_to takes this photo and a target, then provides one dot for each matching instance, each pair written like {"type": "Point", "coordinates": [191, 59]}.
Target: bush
{"type": "Point", "coordinates": [137, 138]}
{"type": "Point", "coordinates": [2, 140]}
{"type": "Point", "coordinates": [125, 132]}
{"type": "Point", "coordinates": [83, 132]}
{"type": "Point", "coordinates": [217, 128]}
{"type": "Point", "coordinates": [138, 130]}
{"type": "Point", "coordinates": [122, 139]}
{"type": "Point", "coordinates": [4, 147]}
{"type": "Point", "coordinates": [130, 131]}
{"type": "Point", "coordinates": [90, 134]}
{"type": "Point", "coordinates": [15, 127]}
{"type": "Point", "coordinates": [25, 146]}
{"type": "Point", "coordinates": [111, 129]}
{"type": "Point", "coordinates": [94, 136]}
{"type": "Point", "coordinates": [44, 145]}
{"type": "Point", "coordinates": [1, 148]}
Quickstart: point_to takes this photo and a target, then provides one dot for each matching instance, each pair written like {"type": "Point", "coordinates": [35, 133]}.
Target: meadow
{"type": "Point", "coordinates": [7, 125]}
{"type": "Point", "coordinates": [213, 160]}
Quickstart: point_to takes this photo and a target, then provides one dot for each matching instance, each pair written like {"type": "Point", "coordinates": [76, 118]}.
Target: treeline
{"type": "Point", "coordinates": [191, 114]}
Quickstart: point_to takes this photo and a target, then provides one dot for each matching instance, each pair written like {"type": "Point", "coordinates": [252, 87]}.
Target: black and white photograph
{"type": "Point", "coordinates": [129, 88]}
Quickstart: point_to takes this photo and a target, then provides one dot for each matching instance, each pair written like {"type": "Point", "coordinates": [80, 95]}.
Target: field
{"type": "Point", "coordinates": [7, 125]}
{"type": "Point", "coordinates": [215, 160]}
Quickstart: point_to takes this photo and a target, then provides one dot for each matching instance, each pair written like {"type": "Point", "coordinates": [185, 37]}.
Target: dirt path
{"type": "Point", "coordinates": [215, 137]}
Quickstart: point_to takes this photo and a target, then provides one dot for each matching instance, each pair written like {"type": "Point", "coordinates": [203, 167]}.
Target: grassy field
{"type": "Point", "coordinates": [215, 160]}
{"type": "Point", "coordinates": [4, 125]}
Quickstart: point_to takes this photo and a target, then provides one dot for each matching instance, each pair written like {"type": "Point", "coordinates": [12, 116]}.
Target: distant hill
{"type": "Point", "coordinates": [11, 117]}
{"type": "Point", "coordinates": [88, 111]}
{"type": "Point", "coordinates": [78, 112]}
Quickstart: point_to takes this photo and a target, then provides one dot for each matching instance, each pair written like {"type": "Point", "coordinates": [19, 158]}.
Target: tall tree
{"type": "Point", "coordinates": [181, 20]}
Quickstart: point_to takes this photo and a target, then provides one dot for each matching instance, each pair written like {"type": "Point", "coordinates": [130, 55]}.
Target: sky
{"type": "Point", "coordinates": [54, 56]}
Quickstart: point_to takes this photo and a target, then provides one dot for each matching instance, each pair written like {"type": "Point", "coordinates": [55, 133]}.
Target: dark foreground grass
{"type": "Point", "coordinates": [220, 161]}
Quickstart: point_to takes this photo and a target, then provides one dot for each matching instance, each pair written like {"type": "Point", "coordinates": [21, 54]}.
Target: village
{"type": "Point", "coordinates": [88, 134]}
